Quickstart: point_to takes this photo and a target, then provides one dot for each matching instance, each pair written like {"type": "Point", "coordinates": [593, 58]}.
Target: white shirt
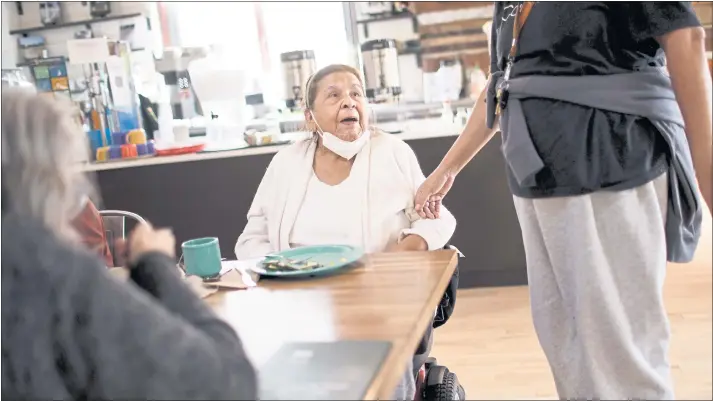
{"type": "Point", "coordinates": [330, 214]}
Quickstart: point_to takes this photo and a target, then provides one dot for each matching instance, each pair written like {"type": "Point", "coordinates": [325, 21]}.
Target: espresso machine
{"type": "Point", "coordinates": [381, 70]}
{"type": "Point", "coordinates": [174, 67]}
{"type": "Point", "coordinates": [297, 67]}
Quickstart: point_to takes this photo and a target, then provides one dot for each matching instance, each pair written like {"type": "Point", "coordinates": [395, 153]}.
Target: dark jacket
{"type": "Point", "coordinates": [70, 330]}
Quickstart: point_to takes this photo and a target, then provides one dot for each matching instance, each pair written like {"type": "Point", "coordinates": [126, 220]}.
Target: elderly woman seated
{"type": "Point", "coordinates": [348, 184]}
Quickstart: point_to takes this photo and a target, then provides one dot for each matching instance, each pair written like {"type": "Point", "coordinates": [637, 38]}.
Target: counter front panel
{"type": "Point", "coordinates": [211, 198]}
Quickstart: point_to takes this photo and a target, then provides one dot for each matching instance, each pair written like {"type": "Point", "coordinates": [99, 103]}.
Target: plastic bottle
{"type": "Point", "coordinates": [165, 117]}
{"type": "Point", "coordinates": [447, 113]}
{"type": "Point", "coordinates": [461, 117]}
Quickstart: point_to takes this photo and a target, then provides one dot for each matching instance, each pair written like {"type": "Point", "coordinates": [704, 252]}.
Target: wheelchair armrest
{"type": "Point", "coordinates": [451, 246]}
{"type": "Point", "coordinates": [448, 301]}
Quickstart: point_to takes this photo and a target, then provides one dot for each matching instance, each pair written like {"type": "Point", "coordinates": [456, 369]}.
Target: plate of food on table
{"type": "Point", "coordinates": [308, 261]}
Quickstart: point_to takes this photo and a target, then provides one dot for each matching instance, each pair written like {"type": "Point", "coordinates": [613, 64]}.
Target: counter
{"type": "Point", "coordinates": [209, 194]}
{"type": "Point", "coordinates": [412, 129]}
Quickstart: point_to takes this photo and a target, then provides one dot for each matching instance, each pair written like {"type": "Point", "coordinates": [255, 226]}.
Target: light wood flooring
{"type": "Point", "coordinates": [491, 345]}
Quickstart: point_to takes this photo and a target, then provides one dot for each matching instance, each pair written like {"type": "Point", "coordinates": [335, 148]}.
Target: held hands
{"type": "Point", "coordinates": [430, 194]}
{"type": "Point", "coordinates": [145, 239]}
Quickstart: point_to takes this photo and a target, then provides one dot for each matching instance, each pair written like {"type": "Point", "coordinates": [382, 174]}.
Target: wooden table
{"type": "Point", "coordinates": [390, 297]}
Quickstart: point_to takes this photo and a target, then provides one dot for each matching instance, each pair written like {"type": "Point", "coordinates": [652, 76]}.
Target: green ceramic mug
{"type": "Point", "coordinates": [201, 257]}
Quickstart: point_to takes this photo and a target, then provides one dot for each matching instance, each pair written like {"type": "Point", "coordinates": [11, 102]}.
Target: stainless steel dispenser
{"type": "Point", "coordinates": [381, 70]}
{"type": "Point", "coordinates": [297, 67]}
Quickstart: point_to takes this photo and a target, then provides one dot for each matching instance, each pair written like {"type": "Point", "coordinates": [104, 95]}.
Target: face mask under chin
{"type": "Point", "coordinates": [340, 147]}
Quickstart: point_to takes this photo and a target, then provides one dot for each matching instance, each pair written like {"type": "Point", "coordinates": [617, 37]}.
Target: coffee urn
{"type": "Point", "coordinates": [297, 67]}
{"type": "Point", "coordinates": [381, 70]}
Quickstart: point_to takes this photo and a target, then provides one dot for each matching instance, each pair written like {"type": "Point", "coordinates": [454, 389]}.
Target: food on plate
{"type": "Point", "coordinates": [281, 263]}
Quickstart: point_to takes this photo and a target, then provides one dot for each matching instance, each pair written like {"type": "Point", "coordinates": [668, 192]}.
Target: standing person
{"type": "Point", "coordinates": [603, 180]}
{"type": "Point", "coordinates": [69, 329]}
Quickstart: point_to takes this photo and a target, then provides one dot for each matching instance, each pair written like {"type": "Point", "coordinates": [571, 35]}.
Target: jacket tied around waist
{"type": "Point", "coordinates": [646, 94]}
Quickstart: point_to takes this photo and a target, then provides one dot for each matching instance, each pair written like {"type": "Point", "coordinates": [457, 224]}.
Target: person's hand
{"type": "Point", "coordinates": [432, 207]}
{"type": "Point", "coordinates": [430, 194]}
{"type": "Point", "coordinates": [145, 239]}
{"type": "Point", "coordinates": [410, 243]}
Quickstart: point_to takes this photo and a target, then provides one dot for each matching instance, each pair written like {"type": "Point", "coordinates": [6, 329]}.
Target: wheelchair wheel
{"type": "Point", "coordinates": [442, 385]}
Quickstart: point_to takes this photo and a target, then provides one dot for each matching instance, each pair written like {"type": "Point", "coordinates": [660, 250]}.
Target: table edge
{"type": "Point", "coordinates": [381, 388]}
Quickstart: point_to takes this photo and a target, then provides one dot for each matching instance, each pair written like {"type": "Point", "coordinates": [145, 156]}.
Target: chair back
{"type": "Point", "coordinates": [115, 226]}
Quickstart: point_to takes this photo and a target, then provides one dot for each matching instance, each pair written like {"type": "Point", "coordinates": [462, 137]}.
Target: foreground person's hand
{"type": "Point", "coordinates": [145, 239]}
{"type": "Point", "coordinates": [431, 192]}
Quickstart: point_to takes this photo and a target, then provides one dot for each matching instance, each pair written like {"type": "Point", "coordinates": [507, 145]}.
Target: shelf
{"type": "Point", "coordinates": [387, 17]}
{"type": "Point", "coordinates": [390, 17]}
{"type": "Point", "coordinates": [410, 50]}
{"type": "Point", "coordinates": [75, 23]}
{"type": "Point", "coordinates": [424, 7]}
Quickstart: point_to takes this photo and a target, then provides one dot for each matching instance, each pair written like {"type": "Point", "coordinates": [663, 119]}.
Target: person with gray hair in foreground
{"type": "Point", "coordinates": [69, 329]}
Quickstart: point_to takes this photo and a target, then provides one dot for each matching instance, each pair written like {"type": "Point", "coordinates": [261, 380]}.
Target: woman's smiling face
{"type": "Point", "coordinates": [339, 106]}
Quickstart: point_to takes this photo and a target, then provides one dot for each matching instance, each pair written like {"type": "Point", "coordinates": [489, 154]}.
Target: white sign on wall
{"type": "Point", "coordinates": [86, 51]}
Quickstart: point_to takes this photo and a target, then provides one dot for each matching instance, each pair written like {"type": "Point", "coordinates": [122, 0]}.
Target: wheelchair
{"type": "Point", "coordinates": [436, 382]}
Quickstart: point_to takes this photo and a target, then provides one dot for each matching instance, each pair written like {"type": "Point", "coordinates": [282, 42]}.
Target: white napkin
{"type": "Point", "coordinates": [235, 274]}
{"type": "Point", "coordinates": [199, 288]}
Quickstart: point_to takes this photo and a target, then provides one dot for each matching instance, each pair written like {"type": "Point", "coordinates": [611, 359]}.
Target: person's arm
{"type": "Point", "coordinates": [123, 343]}
{"type": "Point", "coordinates": [254, 241]}
{"type": "Point", "coordinates": [475, 136]}
{"type": "Point", "coordinates": [676, 27]}
{"type": "Point", "coordinates": [429, 234]}
{"type": "Point", "coordinates": [688, 67]}
{"type": "Point", "coordinates": [424, 234]}
{"type": "Point", "coordinates": [408, 243]}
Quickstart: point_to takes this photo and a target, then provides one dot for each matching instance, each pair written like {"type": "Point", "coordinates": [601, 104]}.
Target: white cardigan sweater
{"type": "Point", "coordinates": [390, 174]}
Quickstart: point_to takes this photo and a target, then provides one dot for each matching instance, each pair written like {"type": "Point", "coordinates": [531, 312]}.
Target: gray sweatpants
{"type": "Point", "coordinates": [596, 266]}
{"type": "Point", "coordinates": [406, 388]}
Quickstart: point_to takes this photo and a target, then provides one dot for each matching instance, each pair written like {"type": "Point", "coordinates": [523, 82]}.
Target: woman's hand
{"type": "Point", "coordinates": [145, 239]}
{"type": "Point", "coordinates": [431, 192]}
{"type": "Point", "coordinates": [409, 243]}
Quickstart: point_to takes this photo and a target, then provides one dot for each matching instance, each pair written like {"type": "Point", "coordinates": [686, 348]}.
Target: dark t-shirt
{"type": "Point", "coordinates": [586, 149]}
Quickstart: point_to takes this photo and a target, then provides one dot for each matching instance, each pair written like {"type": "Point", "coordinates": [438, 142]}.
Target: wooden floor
{"type": "Point", "coordinates": [491, 345]}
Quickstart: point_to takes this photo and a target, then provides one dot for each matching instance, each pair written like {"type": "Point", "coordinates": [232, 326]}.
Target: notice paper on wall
{"type": "Point", "coordinates": [86, 51]}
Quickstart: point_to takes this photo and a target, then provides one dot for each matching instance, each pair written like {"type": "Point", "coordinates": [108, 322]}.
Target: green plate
{"type": "Point", "coordinates": [331, 257]}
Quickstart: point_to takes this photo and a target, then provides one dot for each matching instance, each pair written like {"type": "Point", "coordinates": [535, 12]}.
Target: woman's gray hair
{"type": "Point", "coordinates": [41, 137]}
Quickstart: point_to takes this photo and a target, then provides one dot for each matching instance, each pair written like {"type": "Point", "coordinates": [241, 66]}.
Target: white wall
{"type": "Point", "coordinates": [290, 27]}
{"type": "Point", "coordinates": [9, 44]}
